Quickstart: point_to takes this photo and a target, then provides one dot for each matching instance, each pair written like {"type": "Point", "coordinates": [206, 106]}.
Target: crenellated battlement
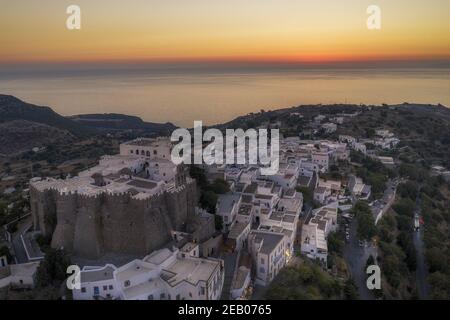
{"type": "Point", "coordinates": [115, 207]}
{"type": "Point", "coordinates": [91, 225]}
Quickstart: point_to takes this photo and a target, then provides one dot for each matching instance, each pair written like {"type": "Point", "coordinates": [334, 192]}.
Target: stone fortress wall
{"type": "Point", "coordinates": [90, 226]}
{"type": "Point", "coordinates": [89, 217]}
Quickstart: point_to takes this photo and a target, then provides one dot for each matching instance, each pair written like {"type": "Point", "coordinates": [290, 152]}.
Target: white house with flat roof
{"type": "Point", "coordinates": [284, 217]}
{"type": "Point", "coordinates": [337, 120]}
{"type": "Point", "coordinates": [329, 127]}
{"type": "Point", "coordinates": [240, 282]}
{"type": "Point", "coordinates": [227, 207]}
{"type": "Point", "coordinates": [270, 253]}
{"type": "Point", "coordinates": [249, 175]}
{"type": "Point", "coordinates": [246, 211]}
{"type": "Point", "coordinates": [287, 175]}
{"type": "Point", "coordinates": [384, 133]}
{"type": "Point", "coordinates": [360, 147]}
{"type": "Point", "coordinates": [97, 283]}
{"type": "Point", "coordinates": [147, 147]}
{"type": "Point", "coordinates": [319, 118]}
{"type": "Point", "coordinates": [190, 249]}
{"type": "Point", "coordinates": [315, 231]}
{"type": "Point", "coordinates": [307, 168]}
{"type": "Point", "coordinates": [162, 275]}
{"type": "Point", "coordinates": [328, 191]}
{"type": "Point", "coordinates": [321, 158]}
{"type": "Point", "coordinates": [358, 188]}
{"type": "Point", "coordinates": [354, 144]}
{"type": "Point", "coordinates": [314, 243]}
{"type": "Point", "coordinates": [237, 237]}
{"type": "Point", "coordinates": [20, 276]}
{"type": "Point", "coordinates": [321, 194]}
{"type": "Point", "coordinates": [387, 161]}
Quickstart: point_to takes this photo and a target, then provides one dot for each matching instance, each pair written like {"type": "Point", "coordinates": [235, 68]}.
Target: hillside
{"type": "Point", "coordinates": [12, 108]}
{"type": "Point", "coordinates": [117, 122]}
{"type": "Point", "coordinates": [22, 135]}
{"type": "Point", "coordinates": [24, 126]}
{"type": "Point", "coordinates": [423, 129]}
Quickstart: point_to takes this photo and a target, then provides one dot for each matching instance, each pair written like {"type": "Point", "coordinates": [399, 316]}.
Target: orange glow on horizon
{"type": "Point", "coordinates": [307, 60]}
{"type": "Point", "coordinates": [272, 31]}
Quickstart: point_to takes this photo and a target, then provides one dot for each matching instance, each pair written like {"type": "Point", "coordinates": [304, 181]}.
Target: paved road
{"type": "Point", "coordinates": [423, 289]}
{"type": "Point", "coordinates": [259, 292]}
{"type": "Point", "coordinates": [229, 264]}
{"type": "Point", "coordinates": [19, 251]}
{"type": "Point", "coordinates": [356, 258]}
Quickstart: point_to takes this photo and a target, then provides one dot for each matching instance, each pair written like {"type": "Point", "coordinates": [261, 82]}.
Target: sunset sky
{"type": "Point", "coordinates": [209, 30]}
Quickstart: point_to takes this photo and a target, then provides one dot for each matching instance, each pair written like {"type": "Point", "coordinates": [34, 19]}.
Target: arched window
{"type": "Point", "coordinates": [155, 152]}
{"type": "Point", "coordinates": [137, 152]}
{"type": "Point", "coordinates": [131, 151]}
{"type": "Point", "coordinates": [148, 153]}
{"type": "Point", "coordinates": [142, 152]}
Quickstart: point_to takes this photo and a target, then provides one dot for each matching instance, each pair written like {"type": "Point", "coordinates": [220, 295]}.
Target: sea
{"type": "Point", "coordinates": [217, 94]}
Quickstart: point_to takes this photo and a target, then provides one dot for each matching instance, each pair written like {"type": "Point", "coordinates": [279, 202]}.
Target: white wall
{"type": "Point", "coordinates": [89, 286]}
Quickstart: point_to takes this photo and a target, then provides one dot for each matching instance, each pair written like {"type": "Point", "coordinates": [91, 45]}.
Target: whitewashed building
{"type": "Point", "coordinates": [321, 158]}
{"type": "Point", "coordinates": [270, 253]}
{"type": "Point", "coordinates": [315, 231]}
{"type": "Point", "coordinates": [358, 188]}
{"type": "Point", "coordinates": [97, 283]}
{"type": "Point", "coordinates": [227, 207]}
{"type": "Point", "coordinates": [162, 275]}
{"type": "Point", "coordinates": [21, 276]}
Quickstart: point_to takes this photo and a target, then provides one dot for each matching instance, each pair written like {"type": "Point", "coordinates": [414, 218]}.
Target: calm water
{"type": "Point", "coordinates": [218, 96]}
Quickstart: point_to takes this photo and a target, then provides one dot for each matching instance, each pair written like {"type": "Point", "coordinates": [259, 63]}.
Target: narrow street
{"type": "Point", "coordinates": [356, 258]}
{"type": "Point", "coordinates": [19, 250]}
{"type": "Point", "coordinates": [421, 269]}
{"type": "Point", "coordinates": [230, 264]}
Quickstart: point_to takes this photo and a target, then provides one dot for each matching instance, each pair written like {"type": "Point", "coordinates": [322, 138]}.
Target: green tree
{"type": "Point", "coordinates": [391, 267]}
{"type": "Point", "coordinates": [437, 260]}
{"type": "Point", "coordinates": [335, 244]}
{"type": "Point", "coordinates": [440, 285]}
{"type": "Point", "coordinates": [405, 207]}
{"type": "Point", "coordinates": [208, 201]}
{"type": "Point", "coordinates": [52, 270]}
{"type": "Point", "coordinates": [350, 290]}
{"type": "Point", "coordinates": [220, 186]}
{"type": "Point", "coordinates": [408, 171]}
{"type": "Point", "coordinates": [307, 193]}
{"type": "Point", "coordinates": [366, 223]}
{"type": "Point", "coordinates": [408, 189]}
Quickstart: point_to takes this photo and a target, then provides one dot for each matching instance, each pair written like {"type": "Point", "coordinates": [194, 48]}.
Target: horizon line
{"type": "Point", "coordinates": [274, 60]}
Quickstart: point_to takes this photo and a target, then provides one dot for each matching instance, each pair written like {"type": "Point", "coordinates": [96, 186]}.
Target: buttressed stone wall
{"type": "Point", "coordinates": [91, 226]}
